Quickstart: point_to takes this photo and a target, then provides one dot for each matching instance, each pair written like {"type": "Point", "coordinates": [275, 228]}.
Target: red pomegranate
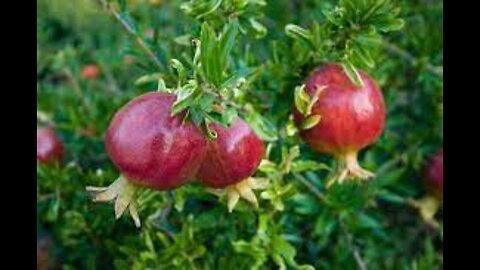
{"type": "Point", "coordinates": [434, 174]}
{"type": "Point", "coordinates": [90, 71]}
{"type": "Point", "coordinates": [232, 158]}
{"type": "Point", "coordinates": [151, 147]}
{"type": "Point", "coordinates": [352, 117]}
{"type": "Point", "coordinates": [49, 146]}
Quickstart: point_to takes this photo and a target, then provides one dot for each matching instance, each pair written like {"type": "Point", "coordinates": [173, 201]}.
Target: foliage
{"type": "Point", "coordinates": [247, 58]}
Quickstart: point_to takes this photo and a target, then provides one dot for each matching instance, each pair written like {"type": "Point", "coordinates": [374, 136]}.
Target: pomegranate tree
{"type": "Point", "coordinates": [49, 146]}
{"type": "Point", "coordinates": [351, 117]}
{"type": "Point", "coordinates": [231, 160]}
{"type": "Point", "coordinates": [152, 148]}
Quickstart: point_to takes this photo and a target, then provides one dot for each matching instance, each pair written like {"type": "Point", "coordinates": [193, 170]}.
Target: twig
{"type": "Point", "coordinates": [112, 84]}
{"type": "Point", "coordinates": [354, 249]}
{"type": "Point", "coordinates": [76, 87]}
{"type": "Point", "coordinates": [311, 187]}
{"type": "Point", "coordinates": [437, 70]}
{"type": "Point", "coordinates": [128, 28]}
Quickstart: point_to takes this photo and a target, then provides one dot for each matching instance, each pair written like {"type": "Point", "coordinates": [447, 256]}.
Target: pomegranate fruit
{"type": "Point", "coordinates": [49, 146]}
{"type": "Point", "coordinates": [429, 204]}
{"type": "Point", "coordinates": [434, 174]}
{"type": "Point", "coordinates": [352, 117]}
{"type": "Point", "coordinates": [152, 148]}
{"type": "Point", "coordinates": [231, 160]}
{"type": "Point", "coordinates": [90, 71]}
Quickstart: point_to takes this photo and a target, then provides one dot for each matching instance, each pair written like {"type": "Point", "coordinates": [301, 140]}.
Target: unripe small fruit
{"type": "Point", "coordinates": [49, 146]}
{"type": "Point", "coordinates": [90, 71]}
{"type": "Point", "coordinates": [352, 117]}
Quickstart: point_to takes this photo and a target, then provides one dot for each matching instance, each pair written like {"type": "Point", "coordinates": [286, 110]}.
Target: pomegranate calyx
{"type": "Point", "coordinates": [242, 189]}
{"type": "Point", "coordinates": [123, 193]}
{"type": "Point", "coordinates": [427, 206]}
{"type": "Point", "coordinates": [348, 169]}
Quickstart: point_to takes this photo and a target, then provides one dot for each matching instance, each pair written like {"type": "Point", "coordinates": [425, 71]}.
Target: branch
{"type": "Point", "coordinates": [128, 28]}
{"type": "Point", "coordinates": [354, 249]}
{"type": "Point", "coordinates": [311, 188]}
{"type": "Point", "coordinates": [392, 48]}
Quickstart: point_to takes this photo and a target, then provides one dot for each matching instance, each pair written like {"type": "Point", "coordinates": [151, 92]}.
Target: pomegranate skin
{"type": "Point", "coordinates": [352, 117]}
{"type": "Point", "coordinates": [151, 147]}
{"type": "Point", "coordinates": [233, 156]}
{"type": "Point", "coordinates": [434, 174]}
{"type": "Point", "coordinates": [49, 146]}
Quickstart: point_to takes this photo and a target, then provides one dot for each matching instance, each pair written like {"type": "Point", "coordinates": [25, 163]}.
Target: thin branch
{"type": "Point", "coordinates": [392, 48]}
{"type": "Point", "coordinates": [311, 188]}
{"type": "Point", "coordinates": [128, 28]}
{"type": "Point", "coordinates": [354, 249]}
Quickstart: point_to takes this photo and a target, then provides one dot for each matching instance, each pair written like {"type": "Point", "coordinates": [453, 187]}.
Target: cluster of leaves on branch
{"type": "Point", "coordinates": [229, 58]}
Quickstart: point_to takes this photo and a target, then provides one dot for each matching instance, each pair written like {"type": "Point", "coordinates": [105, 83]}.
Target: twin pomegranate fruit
{"type": "Point", "coordinates": [155, 149]}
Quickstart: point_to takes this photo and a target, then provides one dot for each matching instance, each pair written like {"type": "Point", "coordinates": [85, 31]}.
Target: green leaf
{"type": "Point", "coordinates": [161, 86]}
{"type": "Point", "coordinates": [229, 116]}
{"type": "Point", "coordinates": [310, 122]}
{"type": "Point", "coordinates": [227, 40]}
{"type": "Point", "coordinates": [352, 73]}
{"type": "Point", "coordinates": [178, 66]}
{"type": "Point", "coordinates": [153, 77]}
{"type": "Point", "coordinates": [302, 99]}
{"type": "Point", "coordinates": [262, 127]}
{"type": "Point", "coordinates": [184, 40]}
{"type": "Point", "coordinates": [206, 101]}
{"type": "Point", "coordinates": [259, 28]}
{"type": "Point", "coordinates": [298, 33]}
{"type": "Point", "coordinates": [186, 96]}
{"type": "Point", "coordinates": [267, 166]}
{"type": "Point", "coordinates": [393, 25]}
{"type": "Point", "coordinates": [307, 165]}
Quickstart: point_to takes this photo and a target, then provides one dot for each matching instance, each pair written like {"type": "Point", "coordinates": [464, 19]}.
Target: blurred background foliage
{"type": "Point", "coordinates": [300, 224]}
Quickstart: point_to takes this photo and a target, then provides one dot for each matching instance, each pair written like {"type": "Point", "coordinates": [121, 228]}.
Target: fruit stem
{"type": "Point", "coordinates": [123, 193]}
{"type": "Point", "coordinates": [348, 168]}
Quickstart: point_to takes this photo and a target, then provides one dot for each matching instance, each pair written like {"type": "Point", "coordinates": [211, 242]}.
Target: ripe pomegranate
{"type": "Point", "coordinates": [90, 71]}
{"type": "Point", "coordinates": [434, 174]}
{"type": "Point", "coordinates": [152, 148]}
{"type": "Point", "coordinates": [231, 160]}
{"type": "Point", "coordinates": [429, 204]}
{"type": "Point", "coordinates": [352, 117]}
{"type": "Point", "coordinates": [49, 146]}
